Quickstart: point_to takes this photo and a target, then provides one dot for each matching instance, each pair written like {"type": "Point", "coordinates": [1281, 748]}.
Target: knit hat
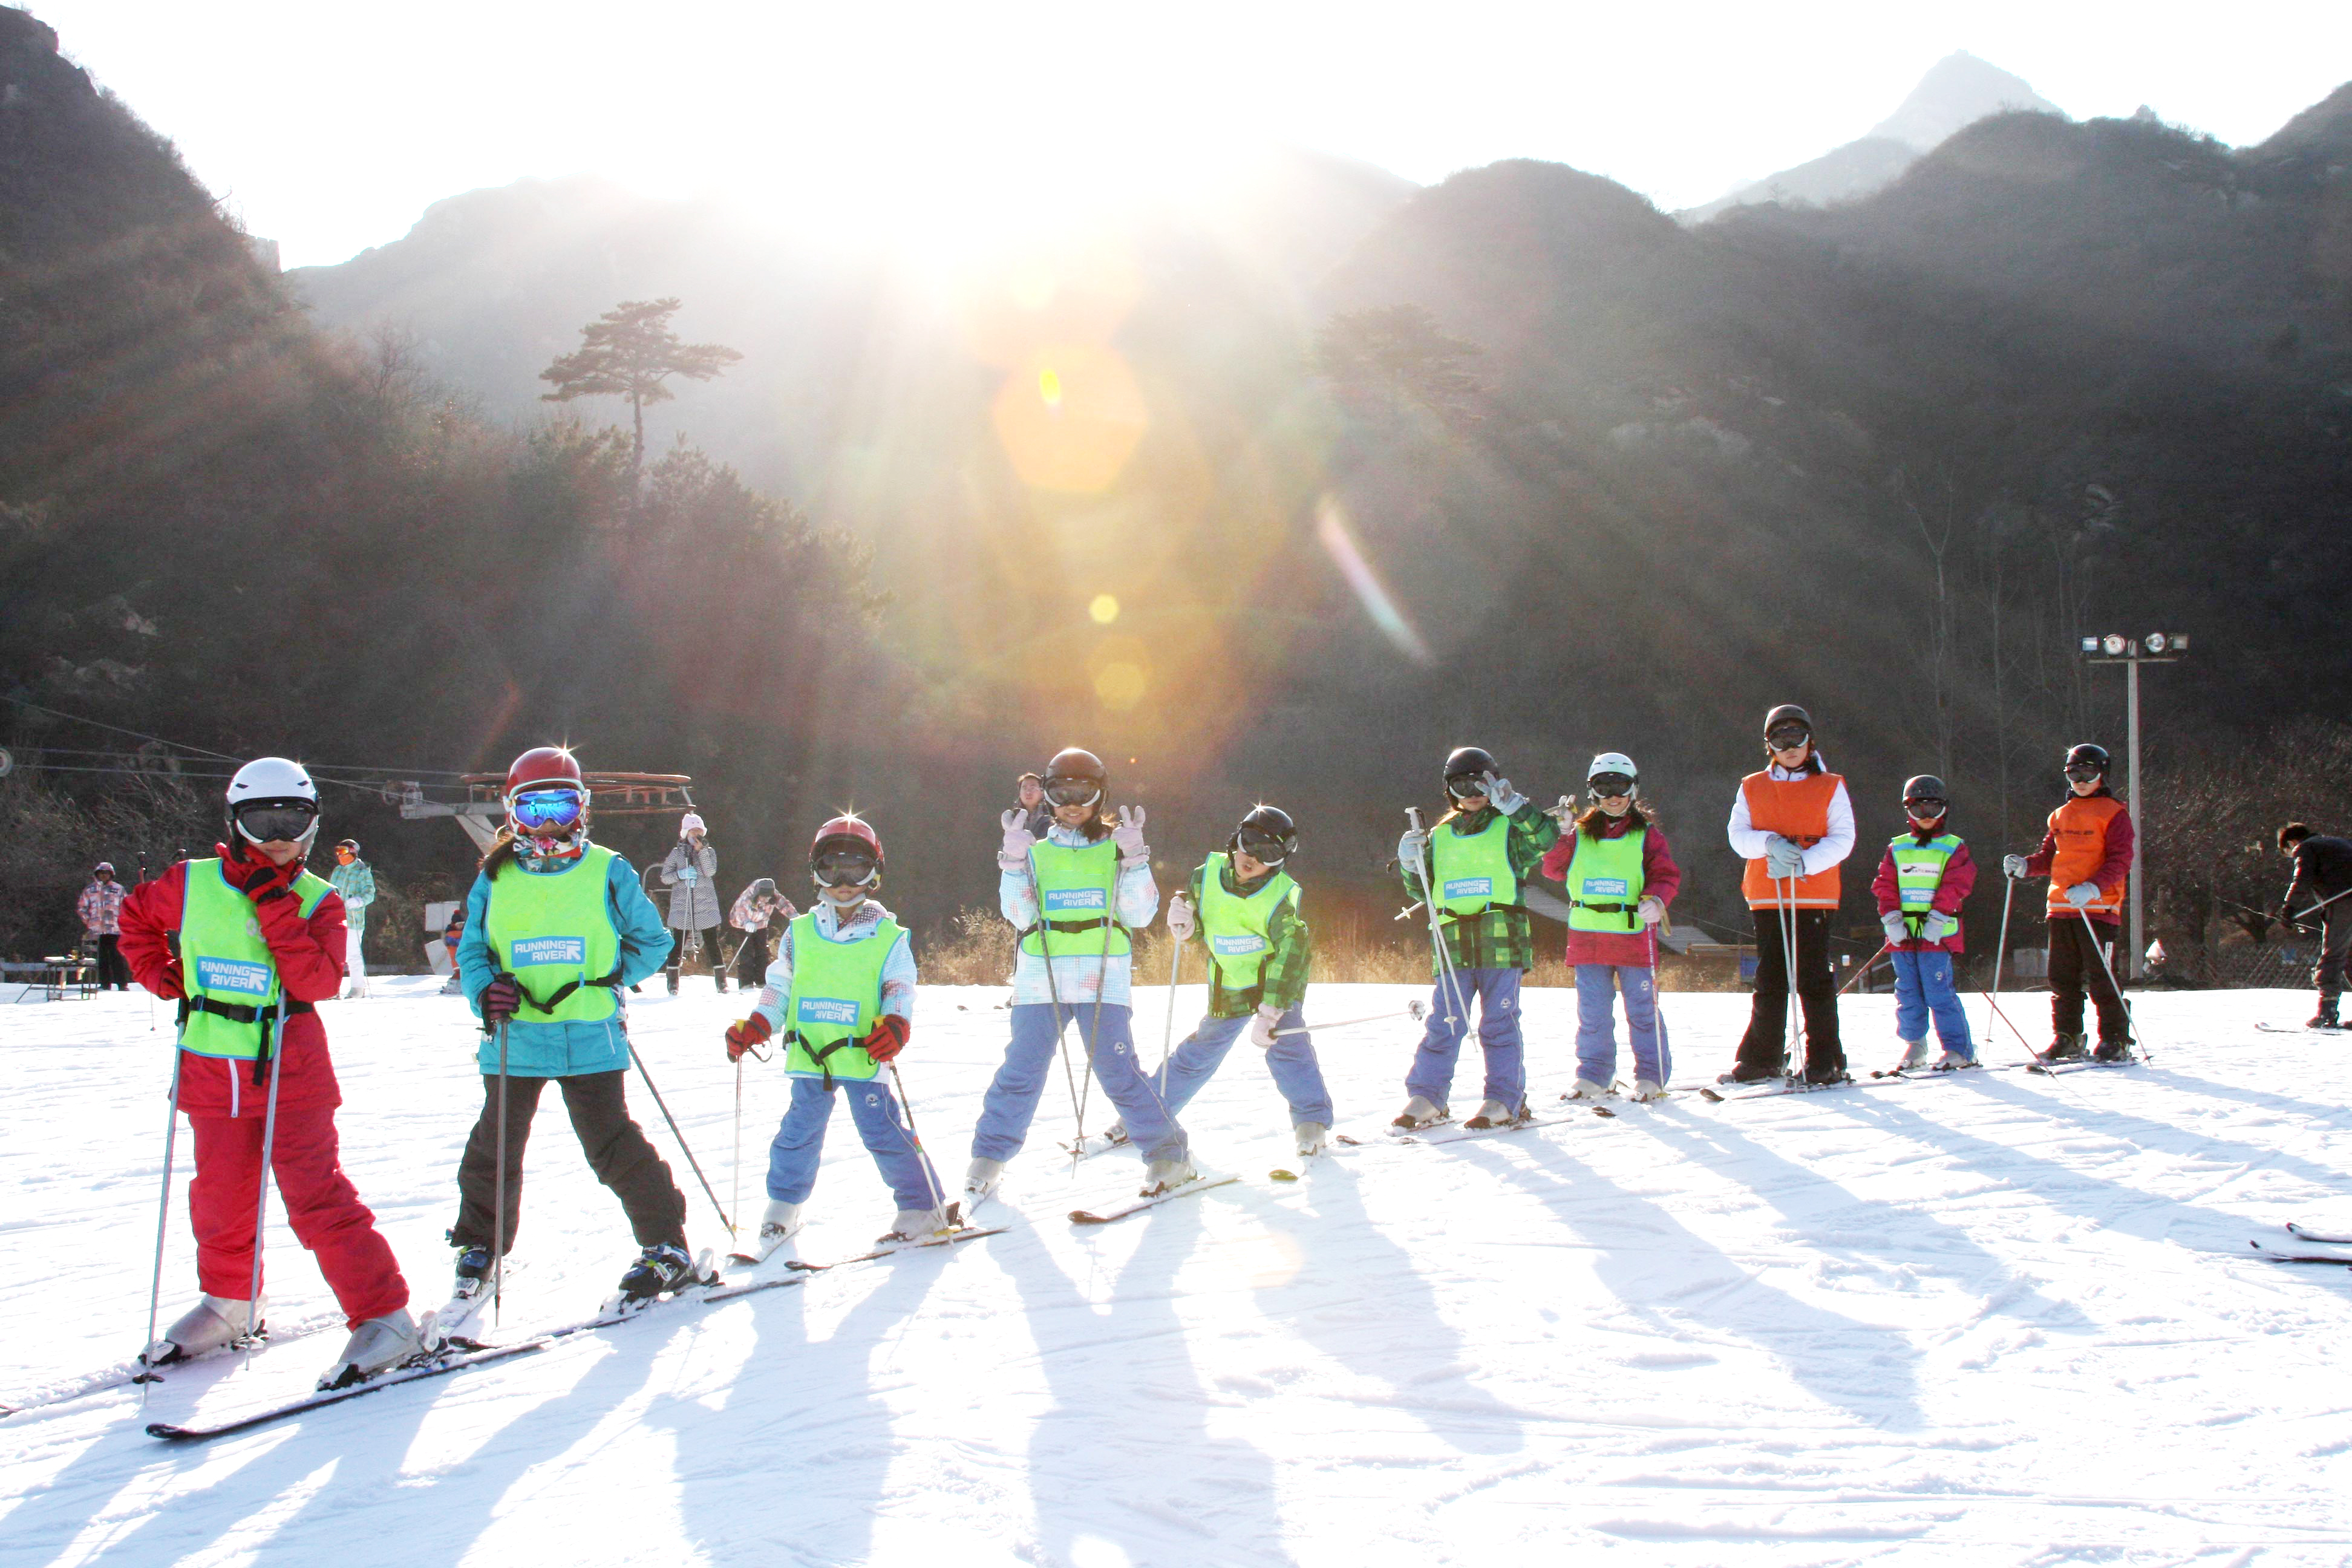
{"type": "Point", "coordinates": [692, 823]}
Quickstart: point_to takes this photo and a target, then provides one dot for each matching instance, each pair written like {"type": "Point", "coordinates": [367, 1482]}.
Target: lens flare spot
{"type": "Point", "coordinates": [1049, 387]}
{"type": "Point", "coordinates": [1077, 437]}
{"type": "Point", "coordinates": [1340, 541]}
{"type": "Point", "coordinates": [1103, 610]}
{"type": "Point", "coordinates": [1119, 684]}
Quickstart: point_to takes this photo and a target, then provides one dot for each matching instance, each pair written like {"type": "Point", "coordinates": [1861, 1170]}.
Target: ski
{"type": "Point", "coordinates": [1779, 1086]}
{"type": "Point", "coordinates": [2298, 1029]}
{"type": "Point", "coordinates": [124, 1375]}
{"type": "Point", "coordinates": [2060, 1070]}
{"type": "Point", "coordinates": [2274, 1256]}
{"type": "Point", "coordinates": [1092, 1144]}
{"type": "Point", "coordinates": [891, 1249]}
{"type": "Point", "coordinates": [2335, 1237]}
{"type": "Point", "coordinates": [1137, 1205]}
{"type": "Point", "coordinates": [412, 1372]}
{"type": "Point", "coordinates": [1462, 1134]}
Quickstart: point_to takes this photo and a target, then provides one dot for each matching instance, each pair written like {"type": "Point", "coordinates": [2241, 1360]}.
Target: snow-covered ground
{"type": "Point", "coordinates": [1993, 1318]}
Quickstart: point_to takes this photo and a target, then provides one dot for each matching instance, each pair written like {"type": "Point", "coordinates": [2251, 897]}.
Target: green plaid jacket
{"type": "Point", "coordinates": [1283, 981]}
{"type": "Point", "coordinates": [1499, 939]}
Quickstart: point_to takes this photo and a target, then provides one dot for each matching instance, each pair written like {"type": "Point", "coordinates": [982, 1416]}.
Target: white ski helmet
{"type": "Point", "coordinates": [1614, 762]}
{"type": "Point", "coordinates": [274, 782]}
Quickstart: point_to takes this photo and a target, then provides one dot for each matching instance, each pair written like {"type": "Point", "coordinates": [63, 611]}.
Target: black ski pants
{"type": "Point", "coordinates": [752, 959]}
{"type": "Point", "coordinates": [713, 954]}
{"type": "Point", "coordinates": [617, 1148]}
{"type": "Point", "coordinates": [1765, 1043]}
{"type": "Point", "coordinates": [114, 970]}
{"type": "Point", "coordinates": [2076, 969]}
{"type": "Point", "coordinates": [2334, 949]}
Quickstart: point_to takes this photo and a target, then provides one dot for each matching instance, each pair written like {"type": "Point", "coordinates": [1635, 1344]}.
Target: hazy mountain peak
{"type": "Point", "coordinates": [1958, 90]}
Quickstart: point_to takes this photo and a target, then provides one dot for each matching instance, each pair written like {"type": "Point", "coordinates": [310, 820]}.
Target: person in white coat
{"type": "Point", "coordinates": [691, 874]}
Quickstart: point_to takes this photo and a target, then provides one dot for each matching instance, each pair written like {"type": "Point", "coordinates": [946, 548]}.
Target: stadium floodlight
{"type": "Point", "coordinates": [2149, 647]}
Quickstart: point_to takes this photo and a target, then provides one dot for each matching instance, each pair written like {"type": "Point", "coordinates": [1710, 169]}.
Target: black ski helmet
{"type": "Point", "coordinates": [1076, 765]}
{"type": "Point", "coordinates": [2087, 756]}
{"type": "Point", "coordinates": [1270, 828]}
{"type": "Point", "coordinates": [1473, 763]}
{"type": "Point", "coordinates": [1787, 713]}
{"type": "Point", "coordinates": [1926, 786]}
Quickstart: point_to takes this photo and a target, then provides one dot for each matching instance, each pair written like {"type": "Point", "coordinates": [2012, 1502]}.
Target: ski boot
{"type": "Point", "coordinates": [916, 1225]}
{"type": "Point", "coordinates": [1495, 1113]}
{"type": "Point", "coordinates": [377, 1345]}
{"type": "Point", "coordinates": [2064, 1048]}
{"type": "Point", "coordinates": [1166, 1175]}
{"type": "Point", "coordinates": [673, 981]}
{"type": "Point", "coordinates": [660, 1271]}
{"type": "Point", "coordinates": [2325, 1018]}
{"type": "Point", "coordinates": [1823, 1075]}
{"type": "Point", "coordinates": [1585, 1089]}
{"type": "Point", "coordinates": [1419, 1112]}
{"type": "Point", "coordinates": [214, 1323]}
{"type": "Point", "coordinates": [1952, 1061]}
{"type": "Point", "coordinates": [450, 987]}
{"type": "Point", "coordinates": [1648, 1089]}
{"type": "Point", "coordinates": [1755, 1072]}
{"type": "Point", "coordinates": [2112, 1051]}
{"type": "Point", "coordinates": [1311, 1136]}
{"type": "Point", "coordinates": [980, 1181]}
{"type": "Point", "coordinates": [1915, 1055]}
{"type": "Point", "coordinates": [470, 1293]}
{"type": "Point", "coordinates": [778, 1226]}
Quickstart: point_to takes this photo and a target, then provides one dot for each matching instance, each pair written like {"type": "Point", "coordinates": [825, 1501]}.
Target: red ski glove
{"type": "Point", "coordinates": [888, 1038]}
{"type": "Point", "coordinates": [501, 999]}
{"type": "Point", "coordinates": [744, 1036]}
{"type": "Point", "coordinates": [259, 879]}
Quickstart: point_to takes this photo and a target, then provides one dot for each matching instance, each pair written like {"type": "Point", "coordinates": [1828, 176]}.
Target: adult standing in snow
{"type": "Point", "coordinates": [2323, 877]}
{"type": "Point", "coordinates": [690, 872]}
{"type": "Point", "coordinates": [1924, 879]}
{"type": "Point", "coordinates": [841, 996]}
{"type": "Point", "coordinates": [555, 925]}
{"type": "Point", "coordinates": [1260, 953]}
{"type": "Point", "coordinates": [2086, 853]}
{"type": "Point", "coordinates": [1073, 896]}
{"type": "Point", "coordinates": [1480, 853]}
{"type": "Point", "coordinates": [101, 909]}
{"type": "Point", "coordinates": [1621, 876]}
{"type": "Point", "coordinates": [759, 910]}
{"type": "Point", "coordinates": [1792, 822]}
{"type": "Point", "coordinates": [1029, 799]}
{"type": "Point", "coordinates": [354, 880]}
{"type": "Point", "coordinates": [248, 942]}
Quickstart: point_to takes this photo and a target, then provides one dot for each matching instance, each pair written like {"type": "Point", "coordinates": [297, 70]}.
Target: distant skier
{"type": "Point", "coordinates": [2086, 853]}
{"type": "Point", "coordinates": [758, 911]}
{"type": "Point", "coordinates": [555, 925]}
{"type": "Point", "coordinates": [690, 872]}
{"type": "Point", "coordinates": [1922, 879]}
{"type": "Point", "coordinates": [1074, 896]}
{"type": "Point", "coordinates": [101, 909]}
{"type": "Point", "coordinates": [1260, 953]}
{"type": "Point", "coordinates": [1621, 876]}
{"type": "Point", "coordinates": [248, 942]}
{"type": "Point", "coordinates": [1792, 822]}
{"type": "Point", "coordinates": [2323, 879]}
{"type": "Point", "coordinates": [354, 880]}
{"type": "Point", "coordinates": [841, 997]}
{"type": "Point", "coordinates": [1480, 855]}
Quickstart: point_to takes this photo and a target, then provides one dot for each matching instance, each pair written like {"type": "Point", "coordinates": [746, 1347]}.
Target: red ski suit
{"type": "Point", "coordinates": [226, 1107]}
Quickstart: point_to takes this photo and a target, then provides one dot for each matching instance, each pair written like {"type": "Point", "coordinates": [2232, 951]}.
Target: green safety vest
{"type": "Point", "coordinates": [1234, 926]}
{"type": "Point", "coordinates": [233, 1006]}
{"type": "Point", "coordinates": [1919, 871]}
{"type": "Point", "coordinates": [555, 934]}
{"type": "Point", "coordinates": [1605, 882]}
{"type": "Point", "coordinates": [1076, 891]}
{"type": "Point", "coordinates": [836, 995]}
{"type": "Point", "coordinates": [1474, 873]}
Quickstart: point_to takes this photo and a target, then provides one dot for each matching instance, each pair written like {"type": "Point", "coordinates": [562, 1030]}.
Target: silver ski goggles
{"type": "Point", "coordinates": [1462, 786]}
{"type": "Point", "coordinates": [546, 810]}
{"type": "Point", "coordinates": [1609, 786]}
{"type": "Point", "coordinates": [1262, 849]}
{"type": "Point", "coordinates": [845, 868]}
{"type": "Point", "coordinates": [1925, 807]}
{"type": "Point", "coordinates": [2084, 772]}
{"type": "Point", "coordinates": [1073, 792]}
{"type": "Point", "coordinates": [277, 821]}
{"type": "Point", "coordinates": [1787, 737]}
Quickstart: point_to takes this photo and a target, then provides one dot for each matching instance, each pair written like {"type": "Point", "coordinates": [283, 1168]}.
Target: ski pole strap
{"type": "Point", "coordinates": [817, 1053]}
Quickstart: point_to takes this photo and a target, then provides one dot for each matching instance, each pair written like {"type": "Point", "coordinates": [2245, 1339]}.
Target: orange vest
{"type": "Point", "coordinates": [2079, 829]}
{"type": "Point", "coordinates": [1795, 808]}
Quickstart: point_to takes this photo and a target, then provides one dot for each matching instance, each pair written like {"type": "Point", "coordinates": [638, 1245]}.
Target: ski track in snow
{"type": "Point", "coordinates": [1996, 1318]}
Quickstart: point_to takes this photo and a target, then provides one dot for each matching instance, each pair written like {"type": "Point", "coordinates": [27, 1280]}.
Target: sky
{"type": "Point", "coordinates": [330, 128]}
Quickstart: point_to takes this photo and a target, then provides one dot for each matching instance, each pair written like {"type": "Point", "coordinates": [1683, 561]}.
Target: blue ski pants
{"type": "Point", "coordinates": [1011, 1103]}
{"type": "Point", "coordinates": [1496, 994]}
{"type": "Point", "coordinates": [799, 1143]}
{"type": "Point", "coordinates": [1297, 1077]}
{"type": "Point", "coordinates": [1923, 985]}
{"type": "Point", "coordinates": [1596, 985]}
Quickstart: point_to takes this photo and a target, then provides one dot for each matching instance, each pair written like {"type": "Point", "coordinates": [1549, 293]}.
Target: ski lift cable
{"type": "Point", "coordinates": [222, 756]}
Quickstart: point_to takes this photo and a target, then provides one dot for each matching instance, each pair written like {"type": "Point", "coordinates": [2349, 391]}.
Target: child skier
{"type": "Point", "coordinates": [1479, 855]}
{"type": "Point", "coordinates": [1621, 876]}
{"type": "Point", "coordinates": [1259, 953]}
{"type": "Point", "coordinates": [1922, 879]}
{"type": "Point", "coordinates": [1792, 822]}
{"type": "Point", "coordinates": [555, 925]}
{"type": "Point", "coordinates": [2086, 853]}
{"type": "Point", "coordinates": [843, 994]}
{"type": "Point", "coordinates": [354, 883]}
{"type": "Point", "coordinates": [1073, 895]}
{"type": "Point", "coordinates": [248, 942]}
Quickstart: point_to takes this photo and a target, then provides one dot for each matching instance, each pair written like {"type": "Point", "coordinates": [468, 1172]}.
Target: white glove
{"type": "Point", "coordinates": [1939, 926]}
{"type": "Point", "coordinates": [1128, 833]}
{"type": "Point", "coordinates": [1179, 919]}
{"type": "Point", "coordinates": [1651, 910]}
{"type": "Point", "coordinates": [1261, 1030]}
{"type": "Point", "coordinates": [1898, 933]}
{"type": "Point", "coordinates": [1410, 847]}
{"type": "Point", "coordinates": [2013, 867]}
{"type": "Point", "coordinates": [1783, 857]}
{"type": "Point", "coordinates": [1017, 837]}
{"type": "Point", "coordinates": [2083, 893]}
{"type": "Point", "coordinates": [1564, 813]}
{"type": "Point", "coordinates": [1502, 796]}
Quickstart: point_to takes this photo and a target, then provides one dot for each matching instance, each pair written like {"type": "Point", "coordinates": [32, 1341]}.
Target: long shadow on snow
{"type": "Point", "coordinates": [1125, 1452]}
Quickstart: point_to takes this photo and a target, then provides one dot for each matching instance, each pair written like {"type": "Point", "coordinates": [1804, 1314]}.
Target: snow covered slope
{"type": "Point", "coordinates": [1995, 1318]}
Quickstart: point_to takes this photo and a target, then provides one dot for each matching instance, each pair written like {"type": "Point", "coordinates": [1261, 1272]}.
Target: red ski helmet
{"type": "Point", "coordinates": [850, 833]}
{"type": "Point", "coordinates": [541, 766]}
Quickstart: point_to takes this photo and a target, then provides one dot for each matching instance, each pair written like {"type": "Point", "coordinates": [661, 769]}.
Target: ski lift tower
{"type": "Point", "coordinates": [485, 806]}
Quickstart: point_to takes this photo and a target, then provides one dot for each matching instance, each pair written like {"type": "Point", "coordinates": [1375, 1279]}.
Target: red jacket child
{"type": "Point", "coordinates": [1959, 880]}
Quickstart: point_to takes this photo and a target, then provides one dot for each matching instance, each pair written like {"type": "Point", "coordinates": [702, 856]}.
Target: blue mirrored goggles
{"type": "Point", "coordinates": [548, 808]}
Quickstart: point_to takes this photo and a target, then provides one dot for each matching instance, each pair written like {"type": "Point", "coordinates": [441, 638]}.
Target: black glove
{"type": "Point", "coordinates": [501, 999]}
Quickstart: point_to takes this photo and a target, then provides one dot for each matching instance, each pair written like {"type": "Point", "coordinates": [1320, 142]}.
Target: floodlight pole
{"type": "Point", "coordinates": [2136, 965]}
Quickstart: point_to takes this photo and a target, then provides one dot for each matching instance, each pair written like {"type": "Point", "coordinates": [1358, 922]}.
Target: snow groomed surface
{"type": "Point", "coordinates": [2002, 1318]}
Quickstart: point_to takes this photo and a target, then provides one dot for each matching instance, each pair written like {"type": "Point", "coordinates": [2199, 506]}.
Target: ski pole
{"type": "Point", "coordinates": [1792, 1037]}
{"type": "Point", "coordinates": [1053, 998]}
{"type": "Point", "coordinates": [1865, 968]}
{"type": "Point", "coordinates": [2000, 957]}
{"type": "Point", "coordinates": [1452, 987]}
{"type": "Point", "coordinates": [499, 1189]}
{"type": "Point", "coordinates": [162, 1223]}
{"type": "Point", "coordinates": [1093, 1026]}
{"type": "Point", "coordinates": [735, 1181]}
{"type": "Point", "coordinates": [2106, 969]}
{"type": "Point", "coordinates": [275, 1038]}
{"type": "Point", "coordinates": [923, 1158]}
{"type": "Point", "coordinates": [684, 1146]}
{"type": "Point", "coordinates": [2315, 909]}
{"type": "Point", "coordinates": [151, 995]}
{"type": "Point", "coordinates": [1416, 1010]}
{"type": "Point", "coordinates": [1168, 1035]}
